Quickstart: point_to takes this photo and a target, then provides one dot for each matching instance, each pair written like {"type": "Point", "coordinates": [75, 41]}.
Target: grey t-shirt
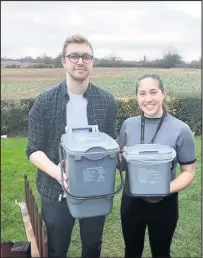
{"type": "Point", "coordinates": [76, 111]}
{"type": "Point", "coordinates": [173, 132]}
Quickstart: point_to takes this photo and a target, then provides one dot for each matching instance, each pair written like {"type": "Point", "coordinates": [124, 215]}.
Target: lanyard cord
{"type": "Point", "coordinates": [143, 128]}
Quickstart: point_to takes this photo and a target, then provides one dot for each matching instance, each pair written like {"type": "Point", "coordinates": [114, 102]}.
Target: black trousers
{"type": "Point", "coordinates": [160, 218]}
{"type": "Point", "coordinates": [59, 223]}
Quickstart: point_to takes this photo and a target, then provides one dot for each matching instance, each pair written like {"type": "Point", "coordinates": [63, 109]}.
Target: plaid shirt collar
{"type": "Point", "coordinates": [87, 94]}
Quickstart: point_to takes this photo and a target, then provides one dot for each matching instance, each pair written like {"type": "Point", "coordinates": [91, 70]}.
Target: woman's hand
{"type": "Point", "coordinates": [184, 179]}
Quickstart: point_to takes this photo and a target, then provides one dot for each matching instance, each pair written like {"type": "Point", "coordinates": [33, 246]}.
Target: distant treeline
{"type": "Point", "coordinates": [169, 60]}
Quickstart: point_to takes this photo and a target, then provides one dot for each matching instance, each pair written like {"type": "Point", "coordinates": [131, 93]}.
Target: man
{"type": "Point", "coordinates": [76, 103]}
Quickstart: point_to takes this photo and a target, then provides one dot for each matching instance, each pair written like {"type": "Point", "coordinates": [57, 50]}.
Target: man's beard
{"type": "Point", "coordinates": [78, 78]}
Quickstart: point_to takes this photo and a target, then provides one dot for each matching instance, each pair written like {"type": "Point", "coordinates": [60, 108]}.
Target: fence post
{"type": "Point", "coordinates": [6, 248]}
{"type": "Point", "coordinates": [36, 220]}
{"type": "Point", "coordinates": [21, 250]}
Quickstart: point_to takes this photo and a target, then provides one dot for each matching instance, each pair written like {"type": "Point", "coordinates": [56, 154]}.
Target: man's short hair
{"type": "Point", "coordinates": [75, 39]}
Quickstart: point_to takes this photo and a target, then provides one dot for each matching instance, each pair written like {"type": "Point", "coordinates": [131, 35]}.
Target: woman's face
{"type": "Point", "coordinates": [150, 98]}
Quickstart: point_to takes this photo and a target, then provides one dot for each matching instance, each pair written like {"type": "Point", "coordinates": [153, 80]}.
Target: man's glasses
{"type": "Point", "coordinates": [75, 58]}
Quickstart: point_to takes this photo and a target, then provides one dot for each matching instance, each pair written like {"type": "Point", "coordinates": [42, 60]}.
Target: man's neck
{"type": "Point", "coordinates": [77, 87]}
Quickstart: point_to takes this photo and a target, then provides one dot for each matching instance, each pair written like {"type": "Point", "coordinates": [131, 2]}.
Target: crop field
{"type": "Point", "coordinates": [25, 83]}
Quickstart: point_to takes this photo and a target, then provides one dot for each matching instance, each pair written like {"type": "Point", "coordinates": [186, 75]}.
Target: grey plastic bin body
{"type": "Point", "coordinates": [90, 162]}
{"type": "Point", "coordinates": [149, 169]}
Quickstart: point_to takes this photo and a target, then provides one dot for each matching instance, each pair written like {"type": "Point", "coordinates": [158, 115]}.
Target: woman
{"type": "Point", "coordinates": [159, 214]}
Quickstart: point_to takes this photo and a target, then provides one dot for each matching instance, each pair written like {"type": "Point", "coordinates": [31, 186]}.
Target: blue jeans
{"type": "Point", "coordinates": [59, 224]}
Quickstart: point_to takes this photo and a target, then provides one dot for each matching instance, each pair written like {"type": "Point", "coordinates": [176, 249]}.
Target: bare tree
{"type": "Point", "coordinates": [171, 57]}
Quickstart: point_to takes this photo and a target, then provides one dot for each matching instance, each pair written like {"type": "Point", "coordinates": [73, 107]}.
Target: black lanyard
{"type": "Point", "coordinates": [143, 128]}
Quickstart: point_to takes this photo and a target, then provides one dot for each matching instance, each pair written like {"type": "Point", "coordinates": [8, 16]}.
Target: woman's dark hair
{"type": "Point", "coordinates": [153, 76]}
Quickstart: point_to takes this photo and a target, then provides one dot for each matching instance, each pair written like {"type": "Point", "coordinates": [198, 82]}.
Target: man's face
{"type": "Point", "coordinates": [78, 68]}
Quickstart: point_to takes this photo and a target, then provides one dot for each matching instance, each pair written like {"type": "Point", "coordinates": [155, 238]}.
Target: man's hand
{"type": "Point", "coordinates": [120, 156]}
{"type": "Point", "coordinates": [65, 178]}
{"type": "Point", "coordinates": [41, 161]}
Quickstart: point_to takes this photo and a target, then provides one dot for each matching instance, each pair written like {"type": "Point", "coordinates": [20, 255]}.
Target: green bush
{"type": "Point", "coordinates": [12, 66]}
{"type": "Point", "coordinates": [40, 66]}
{"type": "Point", "coordinates": [15, 113]}
{"type": "Point", "coordinates": [189, 111]}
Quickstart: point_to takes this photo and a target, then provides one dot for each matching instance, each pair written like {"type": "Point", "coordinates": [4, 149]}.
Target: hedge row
{"type": "Point", "coordinates": [186, 109]}
{"type": "Point", "coordinates": [15, 113]}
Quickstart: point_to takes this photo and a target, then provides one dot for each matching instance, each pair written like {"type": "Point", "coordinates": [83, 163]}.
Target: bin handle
{"type": "Point", "coordinates": [148, 151]}
{"type": "Point", "coordinates": [88, 197]}
{"type": "Point", "coordinates": [93, 127]}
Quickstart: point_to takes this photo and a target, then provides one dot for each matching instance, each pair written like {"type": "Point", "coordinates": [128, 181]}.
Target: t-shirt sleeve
{"type": "Point", "coordinates": [186, 150]}
{"type": "Point", "coordinates": [122, 136]}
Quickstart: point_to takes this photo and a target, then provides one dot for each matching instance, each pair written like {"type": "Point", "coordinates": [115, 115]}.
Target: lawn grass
{"type": "Point", "coordinates": [187, 239]}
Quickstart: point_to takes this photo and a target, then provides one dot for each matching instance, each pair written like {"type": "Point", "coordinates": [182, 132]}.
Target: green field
{"type": "Point", "coordinates": [24, 83]}
{"type": "Point", "coordinates": [187, 239]}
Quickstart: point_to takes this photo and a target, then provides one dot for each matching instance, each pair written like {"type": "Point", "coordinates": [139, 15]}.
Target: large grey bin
{"type": "Point", "coordinates": [90, 160]}
{"type": "Point", "coordinates": [149, 169]}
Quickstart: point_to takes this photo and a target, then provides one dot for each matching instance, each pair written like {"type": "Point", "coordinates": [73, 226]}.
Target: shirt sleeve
{"type": "Point", "coordinates": [112, 120]}
{"type": "Point", "coordinates": [186, 150]}
{"type": "Point", "coordinates": [122, 144]}
{"type": "Point", "coordinates": [122, 136]}
{"type": "Point", "coordinates": [36, 134]}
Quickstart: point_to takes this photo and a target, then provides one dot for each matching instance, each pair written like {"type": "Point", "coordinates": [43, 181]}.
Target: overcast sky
{"type": "Point", "coordinates": [126, 29]}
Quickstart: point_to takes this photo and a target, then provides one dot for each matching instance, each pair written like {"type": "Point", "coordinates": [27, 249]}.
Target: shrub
{"type": "Point", "coordinates": [189, 111]}
{"type": "Point", "coordinates": [15, 113]}
{"type": "Point", "coordinates": [40, 66]}
{"type": "Point", "coordinates": [12, 66]}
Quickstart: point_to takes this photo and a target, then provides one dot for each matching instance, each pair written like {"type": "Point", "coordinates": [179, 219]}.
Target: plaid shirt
{"type": "Point", "coordinates": [47, 121]}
